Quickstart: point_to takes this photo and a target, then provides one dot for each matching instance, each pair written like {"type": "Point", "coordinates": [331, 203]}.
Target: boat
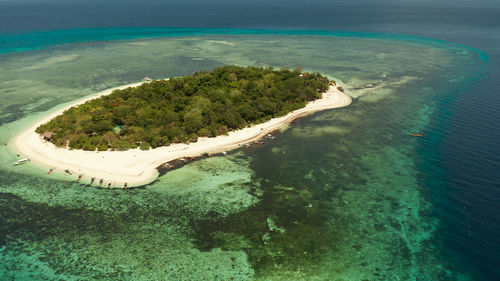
{"type": "Point", "coordinates": [67, 171]}
{"type": "Point", "coordinates": [418, 135]}
{"type": "Point", "coordinates": [125, 185]}
{"type": "Point", "coordinates": [271, 137]}
{"type": "Point", "coordinates": [166, 165]}
{"type": "Point", "coordinates": [22, 161]}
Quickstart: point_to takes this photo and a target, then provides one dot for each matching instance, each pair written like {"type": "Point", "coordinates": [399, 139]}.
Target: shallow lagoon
{"type": "Point", "coordinates": [337, 196]}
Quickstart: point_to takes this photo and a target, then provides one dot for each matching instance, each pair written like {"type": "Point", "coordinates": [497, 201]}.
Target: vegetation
{"type": "Point", "coordinates": [182, 109]}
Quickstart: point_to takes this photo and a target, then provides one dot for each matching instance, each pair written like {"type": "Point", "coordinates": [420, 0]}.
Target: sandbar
{"type": "Point", "coordinates": [138, 167]}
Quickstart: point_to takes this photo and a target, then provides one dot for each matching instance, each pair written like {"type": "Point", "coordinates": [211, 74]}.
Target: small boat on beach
{"type": "Point", "coordinates": [166, 165]}
{"type": "Point", "coordinates": [125, 185]}
{"type": "Point", "coordinates": [92, 180]}
{"type": "Point", "coordinates": [22, 161]}
{"type": "Point", "coordinates": [67, 171]}
{"type": "Point", "coordinates": [271, 137]}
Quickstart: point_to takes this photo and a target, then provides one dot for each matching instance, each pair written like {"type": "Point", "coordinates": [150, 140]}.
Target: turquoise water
{"type": "Point", "coordinates": [35, 40]}
{"type": "Point", "coordinates": [337, 196]}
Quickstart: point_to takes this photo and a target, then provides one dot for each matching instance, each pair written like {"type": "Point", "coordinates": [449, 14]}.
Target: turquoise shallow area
{"type": "Point", "coordinates": [35, 40]}
{"type": "Point", "coordinates": [337, 196]}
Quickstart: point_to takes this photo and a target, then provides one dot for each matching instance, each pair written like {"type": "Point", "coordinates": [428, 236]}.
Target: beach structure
{"type": "Point", "coordinates": [47, 136]}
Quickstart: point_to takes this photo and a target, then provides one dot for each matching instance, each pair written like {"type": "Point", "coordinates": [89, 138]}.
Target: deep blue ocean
{"type": "Point", "coordinates": [461, 157]}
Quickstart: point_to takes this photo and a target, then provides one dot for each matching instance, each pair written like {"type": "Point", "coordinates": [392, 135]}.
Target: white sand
{"type": "Point", "coordinates": [137, 167]}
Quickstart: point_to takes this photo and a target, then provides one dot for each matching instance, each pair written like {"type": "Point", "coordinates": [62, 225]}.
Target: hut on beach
{"type": "Point", "coordinates": [48, 135]}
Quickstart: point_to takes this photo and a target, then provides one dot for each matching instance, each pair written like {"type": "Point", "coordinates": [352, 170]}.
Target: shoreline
{"type": "Point", "coordinates": [138, 167]}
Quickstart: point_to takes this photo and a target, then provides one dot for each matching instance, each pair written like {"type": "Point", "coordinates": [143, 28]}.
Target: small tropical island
{"type": "Point", "coordinates": [180, 110]}
{"type": "Point", "coordinates": [119, 137]}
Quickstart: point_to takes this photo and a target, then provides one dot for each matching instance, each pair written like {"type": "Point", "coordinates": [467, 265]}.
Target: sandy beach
{"type": "Point", "coordinates": [137, 167]}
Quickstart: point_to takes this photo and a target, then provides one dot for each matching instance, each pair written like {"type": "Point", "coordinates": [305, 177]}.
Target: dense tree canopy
{"type": "Point", "coordinates": [182, 109]}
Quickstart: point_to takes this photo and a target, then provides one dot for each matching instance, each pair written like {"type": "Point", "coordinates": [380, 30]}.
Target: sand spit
{"type": "Point", "coordinates": [137, 167]}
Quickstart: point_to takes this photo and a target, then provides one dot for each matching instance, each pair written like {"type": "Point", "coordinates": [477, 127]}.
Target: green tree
{"type": "Point", "coordinates": [181, 109]}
